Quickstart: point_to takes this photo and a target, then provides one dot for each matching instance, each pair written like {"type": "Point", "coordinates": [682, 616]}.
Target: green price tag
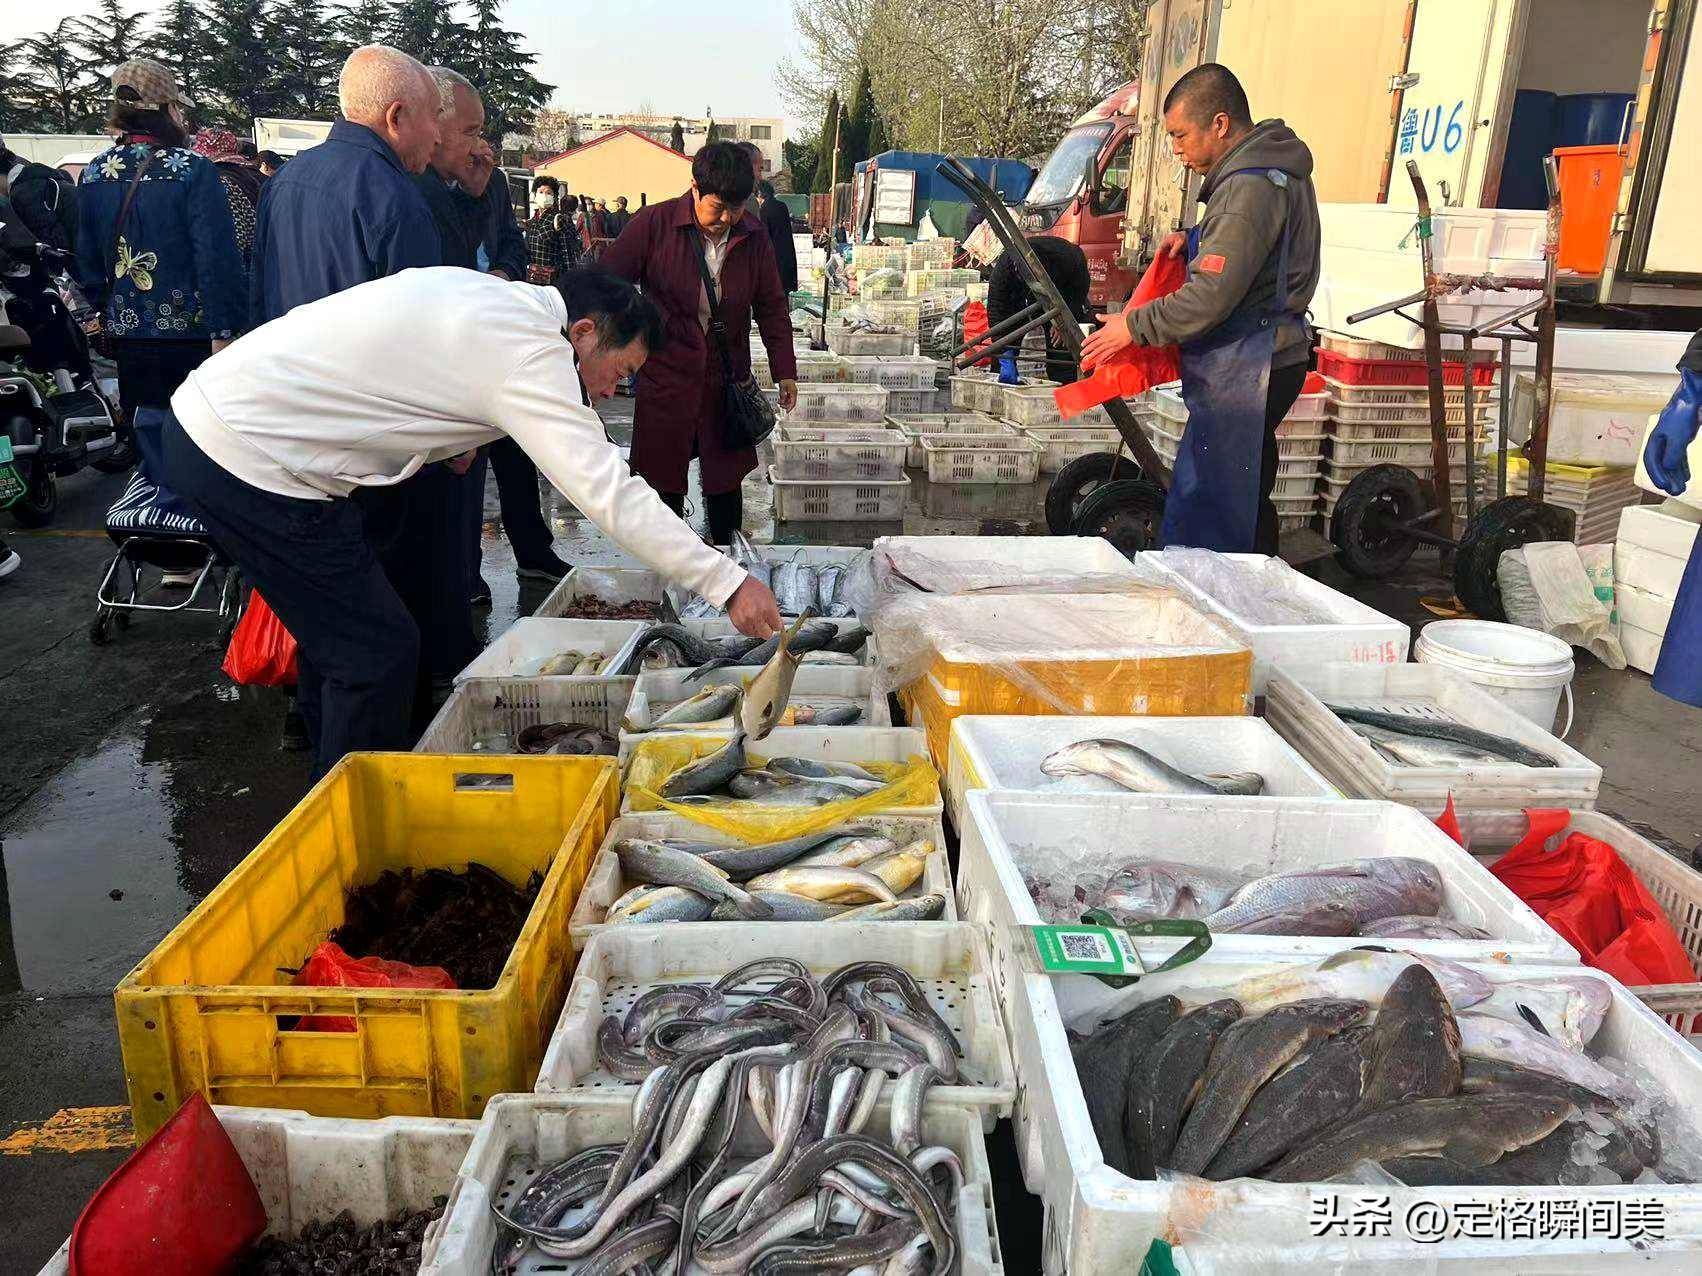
{"type": "Point", "coordinates": [5, 449]}
{"type": "Point", "coordinates": [1085, 950]}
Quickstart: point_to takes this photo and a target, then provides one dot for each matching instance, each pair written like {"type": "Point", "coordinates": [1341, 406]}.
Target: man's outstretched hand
{"type": "Point", "coordinates": [753, 609]}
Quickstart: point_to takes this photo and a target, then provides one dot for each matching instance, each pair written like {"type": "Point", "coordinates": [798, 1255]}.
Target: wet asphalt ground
{"type": "Point", "coordinates": [134, 776]}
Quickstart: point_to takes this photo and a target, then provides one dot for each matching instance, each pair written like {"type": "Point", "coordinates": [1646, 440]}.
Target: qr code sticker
{"type": "Point", "coordinates": [1081, 947]}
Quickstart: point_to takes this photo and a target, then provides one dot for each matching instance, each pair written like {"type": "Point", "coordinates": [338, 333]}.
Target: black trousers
{"type": "Point", "coordinates": [357, 647]}
{"type": "Point", "coordinates": [522, 516]}
{"type": "Point", "coordinates": [725, 512]}
{"type": "Point", "coordinates": [1285, 387]}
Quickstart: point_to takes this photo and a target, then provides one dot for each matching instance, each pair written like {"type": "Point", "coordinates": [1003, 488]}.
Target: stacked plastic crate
{"type": "Point", "coordinates": [835, 456]}
{"type": "Point", "coordinates": [1379, 414]}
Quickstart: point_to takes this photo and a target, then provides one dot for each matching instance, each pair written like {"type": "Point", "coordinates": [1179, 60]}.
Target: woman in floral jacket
{"type": "Point", "coordinates": [168, 282]}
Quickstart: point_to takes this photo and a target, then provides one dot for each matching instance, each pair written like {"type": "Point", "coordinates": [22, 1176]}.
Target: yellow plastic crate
{"type": "Point", "coordinates": [203, 1010]}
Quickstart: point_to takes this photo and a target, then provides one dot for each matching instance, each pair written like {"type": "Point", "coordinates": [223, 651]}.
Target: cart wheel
{"type": "Point", "coordinates": [122, 619]}
{"type": "Point", "coordinates": [1367, 525]}
{"type": "Point", "coordinates": [1508, 523]}
{"type": "Point", "coordinates": [1072, 484]}
{"type": "Point", "coordinates": [1126, 512]}
{"type": "Point", "coordinates": [100, 628]}
{"type": "Point", "coordinates": [36, 507]}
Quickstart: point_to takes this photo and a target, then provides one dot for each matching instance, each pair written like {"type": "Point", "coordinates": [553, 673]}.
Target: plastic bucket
{"type": "Point", "coordinates": [1525, 669]}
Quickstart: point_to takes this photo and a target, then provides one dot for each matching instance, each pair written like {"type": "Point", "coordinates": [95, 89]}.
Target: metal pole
{"type": "Point", "coordinates": [1011, 330]}
{"type": "Point", "coordinates": [1471, 430]}
{"type": "Point", "coordinates": [832, 224]}
{"type": "Point", "coordinates": [1506, 412]}
{"type": "Point", "coordinates": [1433, 360]}
{"type": "Point", "coordinates": [1536, 447]}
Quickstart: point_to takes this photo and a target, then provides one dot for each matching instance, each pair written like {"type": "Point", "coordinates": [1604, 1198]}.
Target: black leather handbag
{"type": "Point", "coordinates": [747, 417]}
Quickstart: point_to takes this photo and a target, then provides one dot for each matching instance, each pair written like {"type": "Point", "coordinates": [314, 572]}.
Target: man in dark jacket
{"type": "Point", "coordinates": [44, 199]}
{"type": "Point", "coordinates": [1240, 319]}
{"type": "Point", "coordinates": [776, 219]}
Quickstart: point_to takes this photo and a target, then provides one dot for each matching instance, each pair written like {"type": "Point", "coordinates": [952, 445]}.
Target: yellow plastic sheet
{"type": "Point", "coordinates": [911, 783]}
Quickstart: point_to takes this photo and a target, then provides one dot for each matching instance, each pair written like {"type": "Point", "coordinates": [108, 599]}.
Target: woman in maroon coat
{"type": "Point", "coordinates": [679, 410]}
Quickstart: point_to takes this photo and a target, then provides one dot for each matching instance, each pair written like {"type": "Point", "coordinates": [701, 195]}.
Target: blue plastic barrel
{"type": "Point", "coordinates": [1591, 119]}
{"type": "Point", "coordinates": [1530, 136]}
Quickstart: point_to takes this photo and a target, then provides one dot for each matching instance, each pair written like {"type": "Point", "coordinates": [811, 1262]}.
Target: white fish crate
{"type": "Point", "coordinates": [1389, 414]}
{"type": "Point", "coordinates": [821, 367]}
{"type": "Point", "coordinates": [913, 425]}
{"type": "Point", "coordinates": [522, 1134]}
{"type": "Point", "coordinates": [817, 686]}
{"type": "Point", "coordinates": [309, 1169]}
{"type": "Point", "coordinates": [1003, 562]}
{"type": "Point", "coordinates": [1354, 632]}
{"type": "Point", "coordinates": [1099, 1220]}
{"type": "Point", "coordinates": [853, 341]}
{"type": "Point", "coordinates": [1005, 753]}
{"type": "Point", "coordinates": [842, 402]}
{"type": "Point", "coordinates": [1294, 514]}
{"type": "Point", "coordinates": [834, 744]}
{"type": "Point", "coordinates": [927, 254]}
{"type": "Point", "coordinates": [912, 401]}
{"type": "Point", "coordinates": [809, 452]}
{"type": "Point", "coordinates": [605, 584]}
{"type": "Point", "coordinates": [1292, 486]}
{"type": "Point", "coordinates": [605, 883]}
{"type": "Point", "coordinates": [976, 392]}
{"type": "Point", "coordinates": [838, 500]}
{"type": "Point", "coordinates": [1062, 444]}
{"type": "Point", "coordinates": [1028, 404]}
{"type": "Point", "coordinates": [482, 708]}
{"type": "Point", "coordinates": [1418, 432]}
{"type": "Point", "coordinates": [1310, 407]}
{"type": "Point", "coordinates": [895, 372]}
{"type": "Point", "coordinates": [1166, 400]}
{"type": "Point", "coordinates": [981, 458]}
{"type": "Point", "coordinates": [1404, 396]}
{"type": "Point", "coordinates": [531, 639]}
{"type": "Point", "coordinates": [1295, 698]}
{"type": "Point", "coordinates": [949, 959]}
{"type": "Point", "coordinates": [877, 256]}
{"type": "Point", "coordinates": [1412, 453]}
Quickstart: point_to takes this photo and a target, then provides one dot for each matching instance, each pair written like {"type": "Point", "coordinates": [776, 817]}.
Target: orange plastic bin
{"type": "Point", "coordinates": [1589, 193]}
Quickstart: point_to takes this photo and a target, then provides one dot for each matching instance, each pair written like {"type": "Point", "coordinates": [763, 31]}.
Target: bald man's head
{"type": "Point", "coordinates": [394, 96]}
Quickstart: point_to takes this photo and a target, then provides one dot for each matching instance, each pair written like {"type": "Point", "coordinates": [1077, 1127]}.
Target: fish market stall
{"type": "Point", "coordinates": [1058, 755]}
{"type": "Point", "coordinates": [906, 855]}
{"type": "Point", "coordinates": [674, 700]}
{"type": "Point", "coordinates": [1422, 733]}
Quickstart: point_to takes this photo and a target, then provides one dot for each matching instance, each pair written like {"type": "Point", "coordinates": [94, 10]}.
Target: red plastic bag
{"type": "Point", "coordinates": [1449, 822]}
{"type": "Point", "coordinates": [261, 651]}
{"type": "Point", "coordinates": [328, 966]}
{"type": "Point", "coordinates": [975, 327]}
{"type": "Point", "coordinates": [1134, 368]}
{"type": "Point", "coordinates": [1594, 902]}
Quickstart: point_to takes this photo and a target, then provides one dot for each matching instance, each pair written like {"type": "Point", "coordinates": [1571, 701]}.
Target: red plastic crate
{"type": "Point", "coordinates": [1398, 372]}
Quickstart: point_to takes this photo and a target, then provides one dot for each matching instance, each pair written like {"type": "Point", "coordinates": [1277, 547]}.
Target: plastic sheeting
{"type": "Point", "coordinates": [1261, 595]}
{"type": "Point", "coordinates": [1546, 586]}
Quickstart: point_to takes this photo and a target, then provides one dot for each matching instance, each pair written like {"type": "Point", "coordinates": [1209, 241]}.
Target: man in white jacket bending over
{"type": "Point", "coordinates": [270, 437]}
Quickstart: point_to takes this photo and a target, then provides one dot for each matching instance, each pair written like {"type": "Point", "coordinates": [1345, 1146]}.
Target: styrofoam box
{"type": "Point", "coordinates": [949, 960]}
{"type": "Point", "coordinates": [838, 744]}
{"type": "Point", "coordinates": [838, 500]}
{"type": "Point", "coordinates": [530, 639]}
{"type": "Point", "coordinates": [1005, 753]}
{"type": "Point", "coordinates": [1295, 698]}
{"type": "Point", "coordinates": [605, 883]}
{"type": "Point", "coordinates": [481, 707]}
{"type": "Point", "coordinates": [819, 686]}
{"type": "Point", "coordinates": [1357, 634]}
{"type": "Point", "coordinates": [1660, 528]}
{"type": "Point", "coordinates": [1099, 1220]}
{"type": "Point", "coordinates": [1643, 620]}
{"type": "Point", "coordinates": [990, 562]}
{"type": "Point", "coordinates": [1595, 419]}
{"type": "Point", "coordinates": [310, 1169]}
{"type": "Point", "coordinates": [522, 1133]}
{"type": "Point", "coordinates": [1647, 569]}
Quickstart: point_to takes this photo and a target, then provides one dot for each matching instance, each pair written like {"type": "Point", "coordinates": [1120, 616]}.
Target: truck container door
{"type": "Point", "coordinates": [1655, 255]}
{"type": "Point", "coordinates": [1183, 35]}
{"type": "Point", "coordinates": [1105, 206]}
{"type": "Point", "coordinates": [1457, 70]}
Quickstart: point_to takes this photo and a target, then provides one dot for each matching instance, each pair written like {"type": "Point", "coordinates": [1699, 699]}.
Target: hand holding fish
{"type": "Point", "coordinates": [753, 611]}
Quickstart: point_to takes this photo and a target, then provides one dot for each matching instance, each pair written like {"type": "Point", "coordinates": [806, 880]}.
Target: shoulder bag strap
{"type": "Point", "coordinates": [717, 329]}
{"type": "Point", "coordinates": [124, 209]}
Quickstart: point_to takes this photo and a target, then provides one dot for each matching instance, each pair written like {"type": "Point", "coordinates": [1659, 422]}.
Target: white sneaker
{"type": "Point", "coordinates": [9, 560]}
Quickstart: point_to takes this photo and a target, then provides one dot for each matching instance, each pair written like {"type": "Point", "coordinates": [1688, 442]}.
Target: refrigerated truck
{"type": "Point", "coordinates": [1371, 84]}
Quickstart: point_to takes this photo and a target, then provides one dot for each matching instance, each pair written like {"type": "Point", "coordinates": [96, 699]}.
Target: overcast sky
{"type": "Point", "coordinates": [610, 55]}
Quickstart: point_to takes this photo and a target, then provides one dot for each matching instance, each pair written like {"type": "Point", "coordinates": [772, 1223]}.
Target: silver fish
{"type": "Point", "coordinates": [706, 706]}
{"type": "Point", "coordinates": [828, 583]}
{"type": "Point", "coordinates": [838, 715]}
{"type": "Point", "coordinates": [1487, 1037]}
{"type": "Point", "coordinates": [920, 908]}
{"type": "Point", "coordinates": [1409, 926]}
{"type": "Point", "coordinates": [771, 690]}
{"type": "Point", "coordinates": [661, 904]}
{"type": "Point", "coordinates": [709, 772]}
{"type": "Point", "coordinates": [849, 852]}
{"type": "Point", "coordinates": [825, 882]}
{"type": "Point", "coordinates": [815, 769]}
{"type": "Point", "coordinates": [1411, 726]}
{"type": "Point", "coordinates": [1412, 751]}
{"type": "Point", "coordinates": [662, 865]}
{"type": "Point", "coordinates": [784, 907]}
{"type": "Point", "coordinates": [1137, 770]}
{"type": "Point", "coordinates": [1333, 899]}
{"type": "Point", "coordinates": [747, 860]}
{"type": "Point", "coordinates": [1569, 1008]}
{"type": "Point", "coordinates": [1144, 889]}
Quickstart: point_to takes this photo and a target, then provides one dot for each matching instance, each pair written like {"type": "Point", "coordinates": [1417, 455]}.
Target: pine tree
{"type": "Point", "coordinates": [859, 119]}
{"type": "Point", "coordinates": [501, 70]}
{"type": "Point", "coordinates": [800, 161]}
{"type": "Point", "coordinates": [107, 37]}
{"type": "Point", "coordinates": [58, 93]}
{"type": "Point", "coordinates": [830, 130]}
{"type": "Point", "coordinates": [363, 22]}
{"type": "Point", "coordinates": [877, 135]}
{"type": "Point", "coordinates": [241, 77]}
{"type": "Point", "coordinates": [303, 84]}
{"type": "Point", "coordinates": [427, 29]}
{"type": "Point", "coordinates": [677, 137]}
{"type": "Point", "coordinates": [180, 41]}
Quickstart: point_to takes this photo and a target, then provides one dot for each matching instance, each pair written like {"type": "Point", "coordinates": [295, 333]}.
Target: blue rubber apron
{"type": "Point", "coordinates": [1214, 495]}
{"type": "Point", "coordinates": [1678, 672]}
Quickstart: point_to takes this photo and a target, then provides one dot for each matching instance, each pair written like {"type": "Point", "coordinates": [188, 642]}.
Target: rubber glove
{"type": "Point", "coordinates": [1007, 369]}
{"type": "Point", "coordinates": [1664, 453]}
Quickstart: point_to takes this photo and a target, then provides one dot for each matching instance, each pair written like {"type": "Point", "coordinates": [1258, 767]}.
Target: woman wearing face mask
{"type": "Point", "coordinates": [545, 250]}
{"type": "Point", "coordinates": [670, 249]}
{"type": "Point", "coordinates": [157, 255]}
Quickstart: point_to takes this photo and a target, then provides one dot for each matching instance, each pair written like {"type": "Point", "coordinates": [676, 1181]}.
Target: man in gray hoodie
{"type": "Point", "coordinates": [1240, 317]}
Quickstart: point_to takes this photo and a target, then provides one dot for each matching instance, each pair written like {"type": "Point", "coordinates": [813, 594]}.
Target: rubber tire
{"type": "Point", "coordinates": [1509, 523]}
{"type": "Point", "coordinates": [1126, 512]}
{"type": "Point", "coordinates": [1072, 485]}
{"type": "Point", "coordinates": [1381, 492]}
{"type": "Point", "coordinates": [37, 506]}
{"type": "Point", "coordinates": [100, 628]}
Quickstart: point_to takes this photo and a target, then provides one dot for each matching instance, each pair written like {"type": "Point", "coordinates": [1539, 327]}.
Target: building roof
{"type": "Point", "coordinates": [610, 136]}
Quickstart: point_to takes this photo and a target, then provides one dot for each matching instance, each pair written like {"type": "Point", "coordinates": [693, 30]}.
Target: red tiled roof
{"type": "Point", "coordinates": [612, 133]}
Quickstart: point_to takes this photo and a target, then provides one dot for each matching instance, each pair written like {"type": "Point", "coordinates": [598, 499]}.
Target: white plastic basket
{"type": "Point", "coordinates": [1062, 444]}
{"type": "Point", "coordinates": [853, 341]}
{"type": "Point", "coordinates": [911, 372]}
{"type": "Point", "coordinates": [1294, 486]}
{"type": "Point", "coordinates": [531, 638]}
{"type": "Point", "coordinates": [1098, 1220]}
{"type": "Point", "coordinates": [1310, 407]}
{"type": "Point", "coordinates": [838, 500]}
{"type": "Point", "coordinates": [1029, 404]}
{"type": "Point", "coordinates": [913, 425]}
{"type": "Point", "coordinates": [480, 710]}
{"type": "Point", "coordinates": [309, 1169]}
{"type": "Point", "coordinates": [1409, 452]}
{"type": "Point", "coordinates": [1295, 698]}
{"type": "Point", "coordinates": [833, 744]}
{"type": "Point", "coordinates": [981, 458]}
{"type": "Point", "coordinates": [1454, 397]}
{"type": "Point", "coordinates": [810, 452]}
{"type": "Point", "coordinates": [1005, 754]}
{"type": "Point", "coordinates": [817, 686]}
{"type": "Point", "coordinates": [1393, 432]}
{"type": "Point", "coordinates": [1356, 348]}
{"type": "Point", "coordinates": [912, 401]}
{"type": "Point", "coordinates": [1354, 633]}
{"type": "Point", "coordinates": [949, 959]}
{"type": "Point", "coordinates": [523, 1133]}
{"type": "Point", "coordinates": [1166, 400]}
{"type": "Point", "coordinates": [975, 392]}
{"type": "Point", "coordinates": [926, 254]}
{"type": "Point", "coordinates": [1390, 414]}
{"type": "Point", "coordinates": [840, 402]}
{"type": "Point", "coordinates": [605, 883]}
{"type": "Point", "coordinates": [605, 584]}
